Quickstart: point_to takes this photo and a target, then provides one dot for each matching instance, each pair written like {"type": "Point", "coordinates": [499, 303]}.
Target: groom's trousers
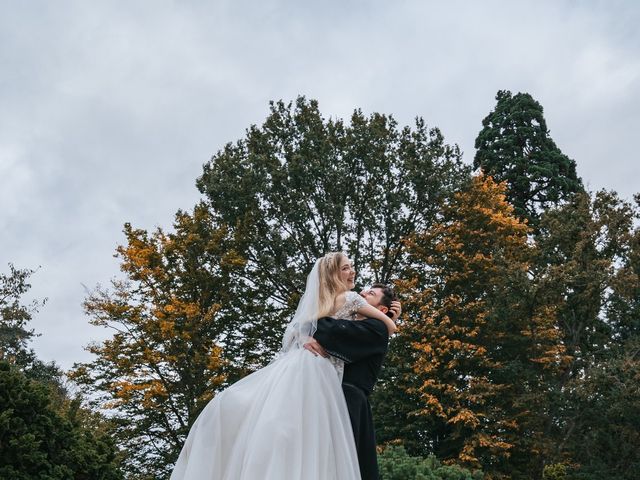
{"type": "Point", "coordinates": [363, 432]}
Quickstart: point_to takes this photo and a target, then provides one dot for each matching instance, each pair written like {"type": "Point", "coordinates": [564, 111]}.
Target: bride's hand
{"type": "Point", "coordinates": [314, 347]}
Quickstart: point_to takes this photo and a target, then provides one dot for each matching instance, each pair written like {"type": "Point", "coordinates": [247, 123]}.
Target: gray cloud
{"type": "Point", "coordinates": [109, 109]}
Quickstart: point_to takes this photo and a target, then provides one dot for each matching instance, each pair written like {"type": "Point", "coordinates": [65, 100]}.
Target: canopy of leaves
{"type": "Point", "coordinates": [300, 185]}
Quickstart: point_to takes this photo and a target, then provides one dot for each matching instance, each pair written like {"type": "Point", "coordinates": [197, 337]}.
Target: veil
{"type": "Point", "coordinates": [305, 321]}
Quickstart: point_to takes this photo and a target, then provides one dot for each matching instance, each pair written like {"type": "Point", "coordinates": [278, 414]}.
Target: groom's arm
{"type": "Point", "coordinates": [352, 340]}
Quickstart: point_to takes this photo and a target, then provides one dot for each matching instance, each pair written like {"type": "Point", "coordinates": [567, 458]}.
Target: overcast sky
{"type": "Point", "coordinates": [108, 110]}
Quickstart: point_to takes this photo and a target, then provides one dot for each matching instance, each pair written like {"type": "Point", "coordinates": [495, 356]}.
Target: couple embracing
{"type": "Point", "coordinates": [306, 415]}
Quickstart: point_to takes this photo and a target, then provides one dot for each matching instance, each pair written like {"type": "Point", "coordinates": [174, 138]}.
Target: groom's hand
{"type": "Point", "coordinates": [396, 310]}
{"type": "Point", "coordinates": [314, 347]}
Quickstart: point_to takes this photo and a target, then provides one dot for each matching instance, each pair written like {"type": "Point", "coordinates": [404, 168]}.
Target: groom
{"type": "Point", "coordinates": [362, 345]}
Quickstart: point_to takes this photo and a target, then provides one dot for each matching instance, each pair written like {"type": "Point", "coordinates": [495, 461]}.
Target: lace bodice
{"type": "Point", "coordinates": [348, 311]}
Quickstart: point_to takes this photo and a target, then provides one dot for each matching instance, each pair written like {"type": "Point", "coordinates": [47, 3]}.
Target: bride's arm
{"type": "Point", "coordinates": [372, 312]}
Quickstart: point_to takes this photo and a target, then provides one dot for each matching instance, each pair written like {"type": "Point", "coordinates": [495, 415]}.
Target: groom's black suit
{"type": "Point", "coordinates": [362, 344]}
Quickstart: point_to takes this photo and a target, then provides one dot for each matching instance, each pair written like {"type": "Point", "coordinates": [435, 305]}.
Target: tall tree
{"type": "Point", "coordinates": [15, 316]}
{"type": "Point", "coordinates": [44, 430]}
{"type": "Point", "coordinates": [300, 185]}
{"type": "Point", "coordinates": [514, 145]}
{"type": "Point", "coordinates": [588, 259]}
{"type": "Point", "coordinates": [177, 337]}
{"type": "Point", "coordinates": [485, 343]}
{"type": "Point", "coordinates": [15, 333]}
{"type": "Point", "coordinates": [584, 259]}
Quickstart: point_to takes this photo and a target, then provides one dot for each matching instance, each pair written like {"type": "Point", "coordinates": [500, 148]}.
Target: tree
{"type": "Point", "coordinates": [39, 442]}
{"type": "Point", "coordinates": [623, 304]}
{"type": "Point", "coordinates": [603, 442]}
{"type": "Point", "coordinates": [178, 339]}
{"type": "Point", "coordinates": [514, 146]}
{"type": "Point", "coordinates": [15, 316]}
{"type": "Point", "coordinates": [586, 258]}
{"type": "Point", "coordinates": [300, 185]}
{"type": "Point", "coordinates": [589, 260]}
{"type": "Point", "coordinates": [395, 402]}
{"type": "Point", "coordinates": [15, 334]}
{"type": "Point", "coordinates": [45, 432]}
{"type": "Point", "coordinates": [486, 344]}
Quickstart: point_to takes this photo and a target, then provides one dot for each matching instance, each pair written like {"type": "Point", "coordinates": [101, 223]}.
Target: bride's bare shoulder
{"type": "Point", "coordinates": [339, 301]}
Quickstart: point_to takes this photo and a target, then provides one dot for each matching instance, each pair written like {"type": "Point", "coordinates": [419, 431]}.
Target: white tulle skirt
{"type": "Point", "coordinates": [287, 421]}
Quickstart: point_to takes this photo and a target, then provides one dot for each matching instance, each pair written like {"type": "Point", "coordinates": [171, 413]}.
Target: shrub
{"type": "Point", "coordinates": [396, 464]}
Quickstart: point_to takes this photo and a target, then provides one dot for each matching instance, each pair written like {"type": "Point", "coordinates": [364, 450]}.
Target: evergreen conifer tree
{"type": "Point", "coordinates": [514, 146]}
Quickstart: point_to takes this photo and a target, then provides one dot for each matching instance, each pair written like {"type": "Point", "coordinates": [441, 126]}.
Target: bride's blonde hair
{"type": "Point", "coordinates": [330, 283]}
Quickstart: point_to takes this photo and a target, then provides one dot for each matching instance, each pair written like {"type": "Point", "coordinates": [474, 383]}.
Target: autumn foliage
{"type": "Point", "coordinates": [172, 348]}
{"type": "Point", "coordinates": [485, 344]}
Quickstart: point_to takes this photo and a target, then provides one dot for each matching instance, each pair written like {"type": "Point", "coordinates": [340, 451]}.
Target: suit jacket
{"type": "Point", "coordinates": [362, 344]}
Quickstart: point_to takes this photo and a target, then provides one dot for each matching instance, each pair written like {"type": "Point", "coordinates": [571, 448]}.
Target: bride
{"type": "Point", "coordinates": [289, 420]}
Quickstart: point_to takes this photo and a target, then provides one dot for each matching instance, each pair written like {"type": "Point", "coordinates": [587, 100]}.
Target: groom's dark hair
{"type": "Point", "coordinates": [388, 295]}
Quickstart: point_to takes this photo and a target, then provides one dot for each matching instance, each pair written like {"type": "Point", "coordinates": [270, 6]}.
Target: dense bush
{"type": "Point", "coordinates": [39, 442]}
{"type": "Point", "coordinates": [397, 464]}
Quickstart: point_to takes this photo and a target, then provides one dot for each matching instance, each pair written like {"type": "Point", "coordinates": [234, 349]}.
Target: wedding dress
{"type": "Point", "coordinates": [287, 421]}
